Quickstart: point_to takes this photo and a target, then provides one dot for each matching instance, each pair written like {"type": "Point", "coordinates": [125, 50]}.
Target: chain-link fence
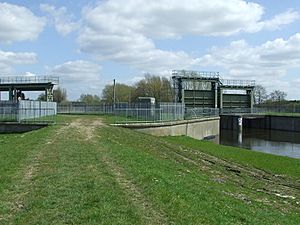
{"type": "Point", "coordinates": [37, 115]}
{"type": "Point", "coordinates": [291, 109]}
{"type": "Point", "coordinates": [195, 113]}
{"type": "Point", "coordinates": [143, 112]}
{"type": "Point", "coordinates": [28, 112]}
{"type": "Point", "coordinates": [164, 112]}
{"type": "Point", "coordinates": [82, 108]}
{"type": "Point", "coordinates": [8, 111]}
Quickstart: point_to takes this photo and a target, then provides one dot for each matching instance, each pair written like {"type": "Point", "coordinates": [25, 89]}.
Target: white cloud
{"type": "Point", "coordinates": [79, 77]}
{"type": "Point", "coordinates": [18, 23]}
{"type": "Point", "coordinates": [60, 18]}
{"type": "Point", "coordinates": [132, 49]}
{"type": "Point", "coordinates": [267, 63]}
{"type": "Point", "coordinates": [281, 19]}
{"type": "Point", "coordinates": [9, 59]}
{"type": "Point", "coordinates": [126, 32]}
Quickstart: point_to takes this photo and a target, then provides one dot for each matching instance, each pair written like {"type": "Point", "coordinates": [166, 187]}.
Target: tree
{"type": "Point", "coordinates": [124, 93]}
{"type": "Point", "coordinates": [89, 99]}
{"type": "Point", "coordinates": [154, 86]}
{"type": "Point", "coordinates": [41, 97]}
{"type": "Point", "coordinates": [260, 94]}
{"type": "Point", "coordinates": [277, 96]}
{"type": "Point", "coordinates": [60, 95]}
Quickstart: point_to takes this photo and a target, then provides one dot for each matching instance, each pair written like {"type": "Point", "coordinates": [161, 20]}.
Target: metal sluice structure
{"type": "Point", "coordinates": [18, 84]}
{"type": "Point", "coordinates": [201, 89]}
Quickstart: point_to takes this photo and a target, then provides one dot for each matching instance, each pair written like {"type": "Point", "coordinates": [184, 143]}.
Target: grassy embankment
{"type": "Point", "coordinates": [90, 173]}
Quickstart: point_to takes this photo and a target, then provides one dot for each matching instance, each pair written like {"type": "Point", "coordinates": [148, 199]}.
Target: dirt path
{"type": "Point", "coordinates": [87, 130]}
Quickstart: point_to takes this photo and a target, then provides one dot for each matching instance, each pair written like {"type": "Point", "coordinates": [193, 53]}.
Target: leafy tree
{"type": "Point", "coordinates": [277, 96]}
{"type": "Point", "coordinates": [260, 94]}
{"type": "Point", "coordinates": [154, 86]}
{"type": "Point", "coordinates": [60, 95]}
{"type": "Point", "coordinates": [41, 97]}
{"type": "Point", "coordinates": [89, 99]}
{"type": "Point", "coordinates": [124, 93]}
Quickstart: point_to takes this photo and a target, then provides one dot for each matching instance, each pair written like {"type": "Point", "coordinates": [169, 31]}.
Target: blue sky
{"type": "Point", "coordinates": [89, 43]}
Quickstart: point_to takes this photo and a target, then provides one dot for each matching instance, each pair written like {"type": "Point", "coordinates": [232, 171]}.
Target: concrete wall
{"type": "Point", "coordinates": [198, 129]}
{"type": "Point", "coordinates": [284, 123]}
{"type": "Point", "coordinates": [6, 128]}
{"type": "Point", "coordinates": [229, 122]}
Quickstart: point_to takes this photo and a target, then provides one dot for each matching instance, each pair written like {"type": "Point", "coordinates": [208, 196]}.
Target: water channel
{"type": "Point", "coordinates": [269, 141]}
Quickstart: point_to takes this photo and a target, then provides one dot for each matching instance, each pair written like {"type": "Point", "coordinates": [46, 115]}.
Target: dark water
{"type": "Point", "coordinates": [269, 141]}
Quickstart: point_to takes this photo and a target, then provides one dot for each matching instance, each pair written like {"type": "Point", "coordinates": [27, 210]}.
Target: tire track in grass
{"type": "Point", "coordinates": [27, 187]}
{"type": "Point", "coordinates": [149, 213]}
{"type": "Point", "coordinates": [15, 197]}
{"type": "Point", "coordinates": [252, 180]}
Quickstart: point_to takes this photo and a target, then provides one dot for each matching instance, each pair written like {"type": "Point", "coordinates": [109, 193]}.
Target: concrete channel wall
{"type": "Point", "coordinates": [284, 123]}
{"type": "Point", "coordinates": [14, 127]}
{"type": "Point", "coordinates": [268, 122]}
{"type": "Point", "coordinates": [199, 128]}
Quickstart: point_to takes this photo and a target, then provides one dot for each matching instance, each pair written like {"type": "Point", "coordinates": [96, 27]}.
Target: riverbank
{"type": "Point", "coordinates": [279, 165]}
{"type": "Point", "coordinates": [91, 173]}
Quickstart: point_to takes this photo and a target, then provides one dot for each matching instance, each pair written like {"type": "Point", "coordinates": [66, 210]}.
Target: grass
{"type": "Point", "coordinates": [268, 162]}
{"type": "Point", "coordinates": [90, 173]}
{"type": "Point", "coordinates": [8, 118]}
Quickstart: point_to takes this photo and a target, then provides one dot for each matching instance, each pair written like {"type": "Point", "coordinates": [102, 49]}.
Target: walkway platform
{"type": "Point", "coordinates": [18, 84]}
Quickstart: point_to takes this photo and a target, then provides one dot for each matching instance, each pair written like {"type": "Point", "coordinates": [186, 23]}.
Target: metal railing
{"type": "Point", "coordinates": [81, 108]}
{"type": "Point", "coordinates": [196, 113]}
{"type": "Point", "coordinates": [191, 73]}
{"type": "Point", "coordinates": [147, 113]}
{"type": "Point", "coordinates": [141, 115]}
{"type": "Point", "coordinates": [240, 83]}
{"type": "Point", "coordinates": [28, 79]}
{"type": "Point", "coordinates": [292, 109]}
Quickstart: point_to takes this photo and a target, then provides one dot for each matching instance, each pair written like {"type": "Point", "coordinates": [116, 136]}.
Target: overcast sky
{"type": "Point", "coordinates": [89, 43]}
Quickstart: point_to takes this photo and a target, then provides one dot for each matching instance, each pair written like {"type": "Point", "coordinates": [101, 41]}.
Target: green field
{"type": "Point", "coordinates": [87, 172]}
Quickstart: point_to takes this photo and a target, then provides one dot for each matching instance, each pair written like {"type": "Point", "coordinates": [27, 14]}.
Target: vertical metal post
{"type": "Point", "coordinates": [240, 124]}
{"type": "Point", "coordinates": [114, 94]}
{"type": "Point", "coordinates": [216, 95]}
{"type": "Point", "coordinates": [250, 93]}
{"type": "Point", "coordinates": [10, 94]}
{"type": "Point", "coordinates": [221, 99]}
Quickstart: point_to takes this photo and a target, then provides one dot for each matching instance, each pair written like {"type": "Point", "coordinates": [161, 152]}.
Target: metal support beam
{"type": "Point", "coordinates": [11, 94]}
{"type": "Point", "coordinates": [221, 98]}
{"type": "Point", "coordinates": [250, 93]}
{"type": "Point", "coordinates": [216, 95]}
{"type": "Point", "coordinates": [49, 94]}
{"type": "Point", "coordinates": [15, 95]}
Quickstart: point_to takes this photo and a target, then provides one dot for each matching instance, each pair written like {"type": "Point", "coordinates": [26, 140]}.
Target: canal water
{"type": "Point", "coordinates": [268, 141]}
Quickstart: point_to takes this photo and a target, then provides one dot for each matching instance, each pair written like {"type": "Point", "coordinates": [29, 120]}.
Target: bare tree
{"type": "Point", "coordinates": [277, 96]}
{"type": "Point", "coordinates": [260, 94]}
